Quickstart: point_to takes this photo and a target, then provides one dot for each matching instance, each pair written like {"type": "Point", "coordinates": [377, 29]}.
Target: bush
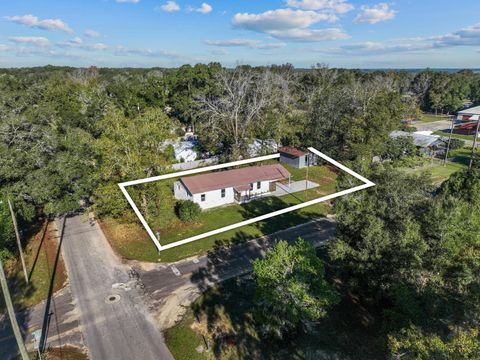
{"type": "Point", "coordinates": [456, 144]}
{"type": "Point", "coordinates": [187, 210]}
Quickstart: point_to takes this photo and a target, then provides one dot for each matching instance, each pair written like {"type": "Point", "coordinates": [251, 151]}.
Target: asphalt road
{"type": "Point", "coordinates": [113, 318]}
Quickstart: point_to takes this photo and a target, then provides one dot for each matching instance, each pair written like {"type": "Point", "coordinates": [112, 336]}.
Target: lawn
{"type": "Point", "coordinates": [454, 136]}
{"type": "Point", "coordinates": [223, 321]}
{"type": "Point", "coordinates": [44, 264]}
{"type": "Point", "coordinates": [426, 118]}
{"type": "Point", "coordinates": [132, 242]}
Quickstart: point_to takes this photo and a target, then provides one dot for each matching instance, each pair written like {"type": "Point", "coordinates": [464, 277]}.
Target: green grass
{"type": "Point", "coordinates": [40, 256]}
{"type": "Point", "coordinates": [454, 136]}
{"type": "Point", "coordinates": [426, 118]}
{"type": "Point", "coordinates": [132, 242]}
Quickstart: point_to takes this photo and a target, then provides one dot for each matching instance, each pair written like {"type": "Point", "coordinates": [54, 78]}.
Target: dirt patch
{"type": "Point", "coordinates": [172, 309]}
{"type": "Point", "coordinates": [66, 353]}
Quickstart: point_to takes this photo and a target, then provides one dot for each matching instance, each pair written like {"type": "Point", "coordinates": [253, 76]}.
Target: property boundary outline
{"type": "Point", "coordinates": [366, 184]}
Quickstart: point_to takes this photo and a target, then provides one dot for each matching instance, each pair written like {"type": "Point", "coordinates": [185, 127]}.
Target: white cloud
{"type": "Point", "coordinates": [47, 24]}
{"type": "Point", "coordinates": [290, 24]}
{"type": "Point", "coordinates": [31, 40]}
{"type": "Point", "coordinates": [468, 36]}
{"type": "Point", "coordinates": [375, 14]}
{"type": "Point", "coordinates": [78, 43]}
{"type": "Point", "coordinates": [250, 43]}
{"type": "Point", "coordinates": [280, 19]}
{"type": "Point", "coordinates": [329, 34]}
{"type": "Point", "coordinates": [127, 1]}
{"type": "Point", "coordinates": [4, 47]}
{"type": "Point", "coordinates": [91, 33]}
{"type": "Point", "coordinates": [204, 8]}
{"type": "Point", "coordinates": [124, 51]}
{"type": "Point", "coordinates": [76, 40]}
{"type": "Point", "coordinates": [336, 6]}
{"type": "Point", "coordinates": [170, 6]}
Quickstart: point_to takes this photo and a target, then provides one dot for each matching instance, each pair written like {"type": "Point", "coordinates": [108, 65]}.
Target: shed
{"type": "Point", "coordinates": [295, 157]}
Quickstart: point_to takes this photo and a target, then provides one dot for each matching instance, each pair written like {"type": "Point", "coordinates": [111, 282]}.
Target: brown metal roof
{"type": "Point", "coordinates": [292, 151]}
{"type": "Point", "coordinates": [234, 178]}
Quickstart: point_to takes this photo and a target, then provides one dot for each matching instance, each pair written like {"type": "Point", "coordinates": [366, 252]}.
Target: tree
{"type": "Point", "coordinates": [378, 238]}
{"type": "Point", "coordinates": [243, 95]}
{"type": "Point", "coordinates": [7, 233]}
{"type": "Point", "coordinates": [291, 288]}
{"type": "Point", "coordinates": [130, 149]}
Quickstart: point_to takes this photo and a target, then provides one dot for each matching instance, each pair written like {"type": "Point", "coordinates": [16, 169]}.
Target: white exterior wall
{"type": "Point", "coordinates": [180, 191]}
{"type": "Point", "coordinates": [214, 198]}
{"type": "Point", "coordinates": [264, 187]}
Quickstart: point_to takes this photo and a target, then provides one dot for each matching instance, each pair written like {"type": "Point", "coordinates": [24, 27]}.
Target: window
{"type": "Point", "coordinates": [251, 186]}
{"type": "Point", "coordinates": [223, 193]}
{"type": "Point", "coordinates": [202, 197]}
{"type": "Point", "coordinates": [258, 184]}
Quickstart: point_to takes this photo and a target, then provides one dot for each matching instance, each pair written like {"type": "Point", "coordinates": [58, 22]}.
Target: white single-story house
{"type": "Point", "coordinates": [230, 186]}
{"type": "Point", "coordinates": [471, 114]}
{"type": "Point", "coordinates": [295, 157]}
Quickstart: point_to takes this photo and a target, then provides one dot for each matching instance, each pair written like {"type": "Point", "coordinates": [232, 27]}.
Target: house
{"type": "Point", "coordinates": [230, 186]}
{"type": "Point", "coordinates": [295, 157]}
{"type": "Point", "coordinates": [467, 115]}
{"type": "Point", "coordinates": [427, 144]}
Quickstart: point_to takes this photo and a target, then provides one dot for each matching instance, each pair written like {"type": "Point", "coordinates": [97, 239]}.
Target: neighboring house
{"type": "Point", "coordinates": [230, 186]}
{"type": "Point", "coordinates": [471, 114]}
{"type": "Point", "coordinates": [427, 144]}
{"type": "Point", "coordinates": [295, 157]}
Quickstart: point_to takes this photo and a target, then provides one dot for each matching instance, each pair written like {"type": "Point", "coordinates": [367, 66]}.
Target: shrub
{"type": "Point", "coordinates": [187, 210]}
{"type": "Point", "coordinates": [456, 144]}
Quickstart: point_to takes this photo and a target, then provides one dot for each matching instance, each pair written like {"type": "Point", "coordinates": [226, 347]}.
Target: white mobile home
{"type": "Point", "coordinates": [230, 186]}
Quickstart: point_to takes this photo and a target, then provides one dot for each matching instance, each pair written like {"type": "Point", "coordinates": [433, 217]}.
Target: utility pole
{"type": "Point", "coordinates": [306, 177]}
{"type": "Point", "coordinates": [474, 144]}
{"type": "Point", "coordinates": [11, 314]}
{"type": "Point", "coordinates": [19, 242]}
{"type": "Point", "coordinates": [449, 140]}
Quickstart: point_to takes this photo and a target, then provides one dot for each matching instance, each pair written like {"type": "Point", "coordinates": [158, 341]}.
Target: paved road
{"type": "Point", "coordinates": [171, 286]}
{"type": "Point", "coordinates": [120, 328]}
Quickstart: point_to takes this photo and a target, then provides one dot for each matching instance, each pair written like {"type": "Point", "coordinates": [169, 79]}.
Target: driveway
{"type": "Point", "coordinates": [113, 316]}
{"type": "Point", "coordinates": [293, 187]}
{"type": "Point", "coordinates": [434, 125]}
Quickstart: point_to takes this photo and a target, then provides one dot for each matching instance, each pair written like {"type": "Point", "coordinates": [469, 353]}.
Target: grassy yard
{"type": "Point", "coordinates": [132, 242]}
{"type": "Point", "coordinates": [454, 136]}
{"type": "Point", "coordinates": [223, 321]}
{"type": "Point", "coordinates": [426, 118]}
{"type": "Point", "coordinates": [44, 264]}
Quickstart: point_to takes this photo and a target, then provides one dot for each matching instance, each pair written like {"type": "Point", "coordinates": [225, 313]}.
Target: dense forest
{"type": "Point", "coordinates": [69, 135]}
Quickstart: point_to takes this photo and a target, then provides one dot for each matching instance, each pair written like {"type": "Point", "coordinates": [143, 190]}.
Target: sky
{"type": "Point", "coordinates": [147, 33]}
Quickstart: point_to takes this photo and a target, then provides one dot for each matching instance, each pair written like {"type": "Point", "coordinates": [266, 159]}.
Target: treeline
{"type": "Point", "coordinates": [69, 135]}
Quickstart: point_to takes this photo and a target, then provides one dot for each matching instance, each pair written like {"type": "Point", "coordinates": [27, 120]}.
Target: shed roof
{"type": "Point", "coordinates": [419, 140]}
{"type": "Point", "coordinates": [292, 151]}
{"type": "Point", "coordinates": [237, 178]}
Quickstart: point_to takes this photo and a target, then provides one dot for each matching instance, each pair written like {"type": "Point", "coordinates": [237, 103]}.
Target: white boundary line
{"type": "Point", "coordinates": [366, 184]}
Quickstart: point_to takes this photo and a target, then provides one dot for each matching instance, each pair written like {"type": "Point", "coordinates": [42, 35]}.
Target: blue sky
{"type": "Point", "coordinates": [144, 33]}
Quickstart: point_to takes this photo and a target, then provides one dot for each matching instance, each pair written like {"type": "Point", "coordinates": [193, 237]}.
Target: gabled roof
{"type": "Point", "coordinates": [292, 151]}
{"type": "Point", "coordinates": [237, 178]}
{"type": "Point", "coordinates": [419, 140]}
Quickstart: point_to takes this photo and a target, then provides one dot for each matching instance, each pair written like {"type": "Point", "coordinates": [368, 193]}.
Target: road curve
{"type": "Point", "coordinates": [118, 329]}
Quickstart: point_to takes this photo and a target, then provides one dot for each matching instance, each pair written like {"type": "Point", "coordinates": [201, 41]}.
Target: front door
{"type": "Point", "coordinates": [272, 186]}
